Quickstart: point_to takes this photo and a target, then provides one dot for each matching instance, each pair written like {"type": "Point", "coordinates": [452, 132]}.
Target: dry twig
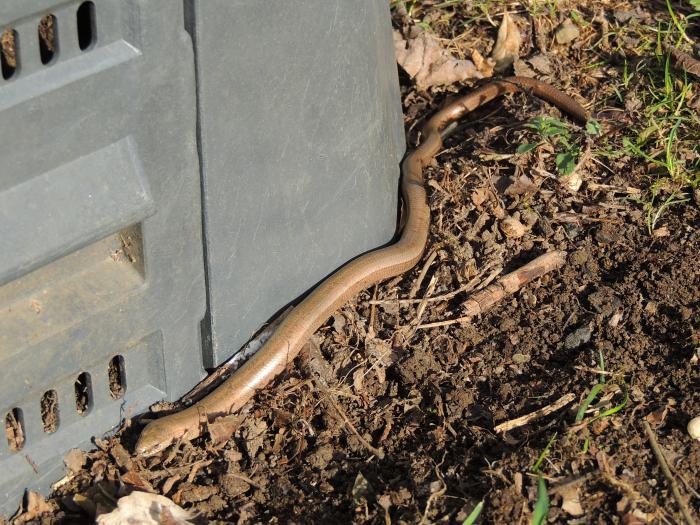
{"type": "Point", "coordinates": [667, 473]}
{"type": "Point", "coordinates": [537, 414]}
{"type": "Point", "coordinates": [506, 285]}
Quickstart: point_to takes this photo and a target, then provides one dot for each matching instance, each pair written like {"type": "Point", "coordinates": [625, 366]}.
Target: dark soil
{"type": "Point", "coordinates": [627, 301]}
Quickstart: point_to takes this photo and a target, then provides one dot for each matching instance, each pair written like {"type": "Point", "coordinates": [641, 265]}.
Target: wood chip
{"type": "Point", "coordinates": [537, 414]}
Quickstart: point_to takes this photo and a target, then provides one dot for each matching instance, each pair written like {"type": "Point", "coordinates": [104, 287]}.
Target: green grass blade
{"type": "Point", "coordinates": [616, 408]}
{"type": "Point", "coordinates": [536, 466]}
{"type": "Point", "coordinates": [591, 397]}
{"type": "Point", "coordinates": [474, 514]}
{"type": "Point", "coordinates": [539, 515]}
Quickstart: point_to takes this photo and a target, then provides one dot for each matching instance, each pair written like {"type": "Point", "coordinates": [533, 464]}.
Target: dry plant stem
{"type": "Point", "coordinates": [376, 451]}
{"type": "Point", "coordinates": [596, 371]}
{"type": "Point", "coordinates": [667, 473]}
{"type": "Point", "coordinates": [444, 297]}
{"type": "Point", "coordinates": [423, 273]}
{"type": "Point", "coordinates": [537, 414]}
{"type": "Point", "coordinates": [381, 264]}
{"type": "Point", "coordinates": [505, 286]}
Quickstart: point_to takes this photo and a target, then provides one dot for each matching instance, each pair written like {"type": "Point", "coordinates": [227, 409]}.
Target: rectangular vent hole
{"type": "Point", "coordinates": [83, 394]}
{"type": "Point", "coordinates": [14, 429]}
{"type": "Point", "coordinates": [49, 411]}
{"type": "Point", "coordinates": [47, 38]}
{"type": "Point", "coordinates": [8, 53]}
{"type": "Point", "coordinates": [86, 25]}
{"type": "Point", "coordinates": [117, 377]}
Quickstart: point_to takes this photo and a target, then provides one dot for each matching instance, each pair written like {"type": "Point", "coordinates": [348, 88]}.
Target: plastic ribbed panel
{"type": "Point", "coordinates": [101, 269]}
{"type": "Point", "coordinates": [301, 138]}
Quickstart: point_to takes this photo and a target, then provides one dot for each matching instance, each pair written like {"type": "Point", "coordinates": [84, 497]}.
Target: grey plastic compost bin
{"type": "Point", "coordinates": [172, 174]}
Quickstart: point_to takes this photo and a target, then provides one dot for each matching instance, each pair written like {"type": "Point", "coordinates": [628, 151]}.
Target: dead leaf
{"type": "Point", "coordinates": [684, 61]}
{"type": "Point", "coordinates": [233, 485]}
{"type": "Point", "coordinates": [170, 483]}
{"type": "Point", "coordinates": [36, 506]}
{"type": "Point", "coordinates": [523, 69]}
{"type": "Point", "coordinates": [132, 478]}
{"type": "Point", "coordinates": [254, 435]}
{"type": "Point", "coordinates": [196, 493]}
{"type": "Point", "coordinates": [567, 32]}
{"type": "Point", "coordinates": [522, 186]}
{"type": "Point", "coordinates": [512, 228]}
{"type": "Point", "coordinates": [484, 65]}
{"type": "Point", "coordinates": [507, 47]}
{"type": "Point", "coordinates": [636, 517]}
{"type": "Point", "coordinates": [361, 489]}
{"type": "Point", "coordinates": [541, 63]}
{"type": "Point", "coordinates": [121, 456]}
{"type": "Point", "coordinates": [146, 509]}
{"type": "Point", "coordinates": [480, 196]}
{"type": "Point", "coordinates": [222, 428]}
{"type": "Point", "coordinates": [74, 460]}
{"type": "Point", "coordinates": [661, 232]}
{"type": "Point", "coordinates": [657, 417]}
{"type": "Point", "coordinates": [425, 61]}
{"type": "Point", "coordinates": [358, 377]}
{"type": "Point", "coordinates": [571, 502]}
{"type": "Point", "coordinates": [572, 182]}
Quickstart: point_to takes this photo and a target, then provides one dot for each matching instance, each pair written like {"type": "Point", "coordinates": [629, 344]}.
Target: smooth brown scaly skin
{"type": "Point", "coordinates": [376, 266]}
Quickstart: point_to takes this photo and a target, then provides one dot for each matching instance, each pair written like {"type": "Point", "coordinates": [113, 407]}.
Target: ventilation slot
{"type": "Point", "coordinates": [8, 53]}
{"type": "Point", "coordinates": [83, 394]}
{"type": "Point", "coordinates": [49, 411]}
{"type": "Point", "coordinates": [47, 38]}
{"type": "Point", "coordinates": [14, 429]}
{"type": "Point", "coordinates": [86, 25]}
{"type": "Point", "coordinates": [117, 377]}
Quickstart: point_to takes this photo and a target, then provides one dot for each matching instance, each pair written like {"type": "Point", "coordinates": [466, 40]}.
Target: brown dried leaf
{"type": "Point", "coordinates": [567, 32]}
{"type": "Point", "coordinates": [422, 57]}
{"type": "Point", "coordinates": [74, 460]}
{"type": "Point", "coordinates": [513, 228]}
{"type": "Point", "coordinates": [571, 502]}
{"type": "Point", "coordinates": [522, 186]}
{"type": "Point", "coordinates": [361, 489]}
{"type": "Point", "coordinates": [657, 417]}
{"type": "Point", "coordinates": [484, 65]}
{"type": "Point", "coordinates": [480, 195]}
{"type": "Point", "coordinates": [196, 493]}
{"type": "Point", "coordinates": [135, 480]}
{"type": "Point", "coordinates": [254, 435]}
{"type": "Point", "coordinates": [170, 483]}
{"type": "Point", "coordinates": [233, 485]}
{"type": "Point", "coordinates": [358, 377]}
{"type": "Point", "coordinates": [507, 47]}
{"type": "Point", "coordinates": [635, 518]}
{"type": "Point", "coordinates": [685, 61]}
{"type": "Point", "coordinates": [121, 456]}
{"type": "Point", "coordinates": [36, 506]}
{"type": "Point", "coordinates": [222, 428]}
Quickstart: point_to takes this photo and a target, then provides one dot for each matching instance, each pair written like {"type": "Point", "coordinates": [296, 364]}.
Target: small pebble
{"type": "Point", "coordinates": [521, 359]}
{"type": "Point", "coordinates": [578, 337]}
{"type": "Point", "coordinates": [694, 428]}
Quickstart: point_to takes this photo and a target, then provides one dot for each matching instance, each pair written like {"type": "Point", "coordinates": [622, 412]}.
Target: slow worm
{"type": "Point", "coordinates": [384, 263]}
